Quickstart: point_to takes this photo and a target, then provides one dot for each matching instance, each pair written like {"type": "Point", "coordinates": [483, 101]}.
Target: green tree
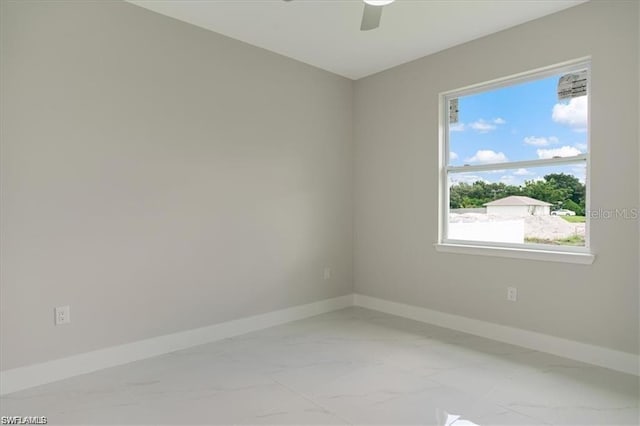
{"type": "Point", "coordinates": [576, 190]}
{"type": "Point", "coordinates": [545, 190]}
{"type": "Point", "coordinates": [464, 195]}
{"type": "Point", "coordinates": [560, 189]}
{"type": "Point", "coordinates": [571, 205]}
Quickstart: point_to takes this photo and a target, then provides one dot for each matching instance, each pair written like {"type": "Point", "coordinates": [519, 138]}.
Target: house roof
{"type": "Point", "coordinates": [515, 200]}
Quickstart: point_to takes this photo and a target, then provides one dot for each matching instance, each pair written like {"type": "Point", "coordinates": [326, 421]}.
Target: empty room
{"type": "Point", "coordinates": [320, 212]}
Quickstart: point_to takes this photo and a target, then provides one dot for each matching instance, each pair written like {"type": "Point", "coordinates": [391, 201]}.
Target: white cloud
{"type": "Point", "coordinates": [487, 156]}
{"type": "Point", "coordinates": [581, 146]}
{"type": "Point", "coordinates": [565, 151]}
{"type": "Point", "coordinates": [522, 172]}
{"type": "Point", "coordinates": [482, 126]}
{"type": "Point", "coordinates": [456, 127]}
{"type": "Point", "coordinates": [540, 141]}
{"type": "Point", "coordinates": [580, 172]}
{"type": "Point", "coordinates": [572, 114]}
{"type": "Point", "coordinates": [508, 179]}
{"type": "Point", "coordinates": [453, 156]}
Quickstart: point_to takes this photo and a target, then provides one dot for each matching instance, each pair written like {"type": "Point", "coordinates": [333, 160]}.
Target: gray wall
{"type": "Point", "coordinates": [158, 177]}
{"type": "Point", "coordinates": [396, 184]}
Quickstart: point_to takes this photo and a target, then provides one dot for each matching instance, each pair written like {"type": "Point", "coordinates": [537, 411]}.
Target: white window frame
{"type": "Point", "coordinates": [570, 254]}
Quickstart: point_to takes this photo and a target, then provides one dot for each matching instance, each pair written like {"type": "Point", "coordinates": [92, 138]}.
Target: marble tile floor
{"type": "Point", "coordinates": [352, 366]}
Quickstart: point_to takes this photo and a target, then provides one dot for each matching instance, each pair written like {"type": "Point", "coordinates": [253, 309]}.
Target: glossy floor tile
{"type": "Point", "coordinates": [353, 366]}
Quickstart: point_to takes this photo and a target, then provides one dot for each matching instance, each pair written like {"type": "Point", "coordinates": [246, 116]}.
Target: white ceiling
{"type": "Point", "coordinates": [326, 33]}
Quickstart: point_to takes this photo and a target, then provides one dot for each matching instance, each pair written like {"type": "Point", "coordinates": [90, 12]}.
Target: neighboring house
{"type": "Point", "coordinates": [518, 206]}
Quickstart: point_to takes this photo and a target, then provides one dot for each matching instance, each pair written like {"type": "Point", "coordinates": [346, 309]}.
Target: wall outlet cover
{"type": "Point", "coordinates": [62, 315]}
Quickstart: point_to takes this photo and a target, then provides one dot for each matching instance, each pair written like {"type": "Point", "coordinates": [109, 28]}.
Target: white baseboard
{"type": "Point", "coordinates": [596, 355]}
{"type": "Point", "coordinates": [39, 374]}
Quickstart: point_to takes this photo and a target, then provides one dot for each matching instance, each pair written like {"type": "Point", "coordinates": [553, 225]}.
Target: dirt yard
{"type": "Point", "coordinates": [542, 227]}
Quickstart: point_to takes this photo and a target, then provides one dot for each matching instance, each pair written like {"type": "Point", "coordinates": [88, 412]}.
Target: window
{"type": "Point", "coordinates": [515, 166]}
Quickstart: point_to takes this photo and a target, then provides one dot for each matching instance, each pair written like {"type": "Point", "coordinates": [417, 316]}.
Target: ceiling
{"type": "Point", "coordinates": [326, 33]}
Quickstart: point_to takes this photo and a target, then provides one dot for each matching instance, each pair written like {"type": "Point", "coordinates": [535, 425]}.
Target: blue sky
{"type": "Point", "coordinates": [516, 123]}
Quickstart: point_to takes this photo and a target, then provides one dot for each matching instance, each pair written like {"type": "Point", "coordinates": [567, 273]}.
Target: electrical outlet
{"type": "Point", "coordinates": [327, 273]}
{"type": "Point", "coordinates": [512, 294]}
{"type": "Point", "coordinates": [62, 315]}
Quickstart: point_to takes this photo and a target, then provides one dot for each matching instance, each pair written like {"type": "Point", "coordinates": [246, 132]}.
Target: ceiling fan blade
{"type": "Point", "coordinates": [370, 17]}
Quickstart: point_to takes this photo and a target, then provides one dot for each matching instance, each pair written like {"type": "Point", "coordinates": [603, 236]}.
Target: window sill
{"type": "Point", "coordinates": [517, 253]}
